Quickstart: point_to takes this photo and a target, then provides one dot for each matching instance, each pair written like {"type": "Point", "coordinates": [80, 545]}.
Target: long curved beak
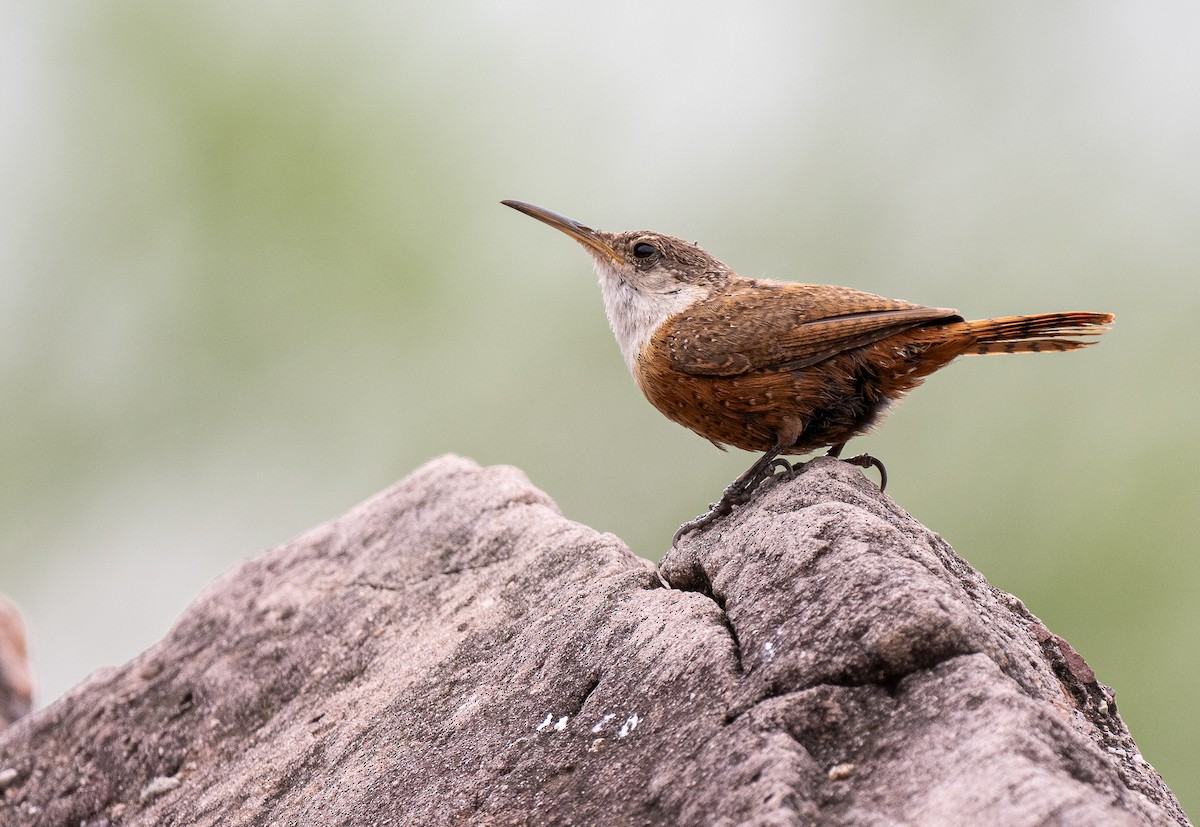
{"type": "Point", "coordinates": [583, 234]}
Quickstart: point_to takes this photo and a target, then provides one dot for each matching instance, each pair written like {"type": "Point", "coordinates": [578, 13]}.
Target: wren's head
{"type": "Point", "coordinates": [645, 277]}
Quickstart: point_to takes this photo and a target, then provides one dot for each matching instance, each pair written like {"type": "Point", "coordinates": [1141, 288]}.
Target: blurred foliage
{"type": "Point", "coordinates": [252, 269]}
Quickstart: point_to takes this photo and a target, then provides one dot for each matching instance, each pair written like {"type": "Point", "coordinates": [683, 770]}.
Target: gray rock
{"type": "Point", "coordinates": [454, 651]}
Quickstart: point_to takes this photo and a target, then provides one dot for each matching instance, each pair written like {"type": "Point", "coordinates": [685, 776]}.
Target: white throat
{"type": "Point", "coordinates": [634, 314]}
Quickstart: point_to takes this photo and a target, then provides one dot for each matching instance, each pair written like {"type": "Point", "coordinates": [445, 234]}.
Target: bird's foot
{"type": "Point", "coordinates": [738, 492]}
{"type": "Point", "coordinates": [868, 461]}
{"type": "Point", "coordinates": [715, 511]}
{"type": "Point", "coordinates": [787, 468]}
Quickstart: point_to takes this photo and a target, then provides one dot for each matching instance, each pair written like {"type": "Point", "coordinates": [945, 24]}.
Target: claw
{"type": "Point", "coordinates": [868, 461]}
{"type": "Point", "coordinates": [700, 522]}
{"type": "Point", "coordinates": [783, 465]}
{"type": "Point", "coordinates": [740, 491]}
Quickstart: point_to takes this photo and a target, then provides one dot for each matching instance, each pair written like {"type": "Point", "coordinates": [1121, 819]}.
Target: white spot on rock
{"type": "Point", "coordinates": [159, 785]}
{"type": "Point", "coordinates": [550, 723]}
{"type": "Point", "coordinates": [466, 705]}
{"type": "Point", "coordinates": [629, 726]}
{"type": "Point", "coordinates": [603, 722]}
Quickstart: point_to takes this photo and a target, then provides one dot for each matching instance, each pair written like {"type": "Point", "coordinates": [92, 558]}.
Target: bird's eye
{"type": "Point", "coordinates": [644, 251]}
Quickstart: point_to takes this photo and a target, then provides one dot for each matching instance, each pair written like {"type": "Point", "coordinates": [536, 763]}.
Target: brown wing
{"type": "Point", "coordinates": [771, 324]}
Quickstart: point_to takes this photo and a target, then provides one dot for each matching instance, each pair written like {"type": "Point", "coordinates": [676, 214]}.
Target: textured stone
{"type": "Point", "coordinates": [454, 651]}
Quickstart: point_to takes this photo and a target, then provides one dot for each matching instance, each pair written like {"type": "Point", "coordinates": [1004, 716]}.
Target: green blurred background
{"type": "Point", "coordinates": [253, 269]}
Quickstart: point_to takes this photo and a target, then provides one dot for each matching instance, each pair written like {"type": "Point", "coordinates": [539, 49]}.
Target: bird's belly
{"type": "Point", "coordinates": [756, 411]}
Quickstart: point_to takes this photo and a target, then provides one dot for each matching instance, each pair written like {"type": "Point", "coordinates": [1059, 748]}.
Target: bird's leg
{"type": "Point", "coordinates": [862, 461]}
{"type": "Point", "coordinates": [739, 491]}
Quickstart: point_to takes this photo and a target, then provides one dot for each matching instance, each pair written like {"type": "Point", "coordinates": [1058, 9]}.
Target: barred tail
{"type": "Point", "coordinates": [1036, 334]}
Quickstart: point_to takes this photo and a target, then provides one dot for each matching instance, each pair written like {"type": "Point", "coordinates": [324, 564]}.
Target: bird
{"type": "Point", "coordinates": [781, 368]}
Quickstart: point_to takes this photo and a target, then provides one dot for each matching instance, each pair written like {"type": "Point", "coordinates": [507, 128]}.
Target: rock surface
{"type": "Point", "coordinates": [454, 651]}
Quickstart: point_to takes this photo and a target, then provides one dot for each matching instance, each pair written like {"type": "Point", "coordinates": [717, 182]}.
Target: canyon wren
{"type": "Point", "coordinates": [780, 367]}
